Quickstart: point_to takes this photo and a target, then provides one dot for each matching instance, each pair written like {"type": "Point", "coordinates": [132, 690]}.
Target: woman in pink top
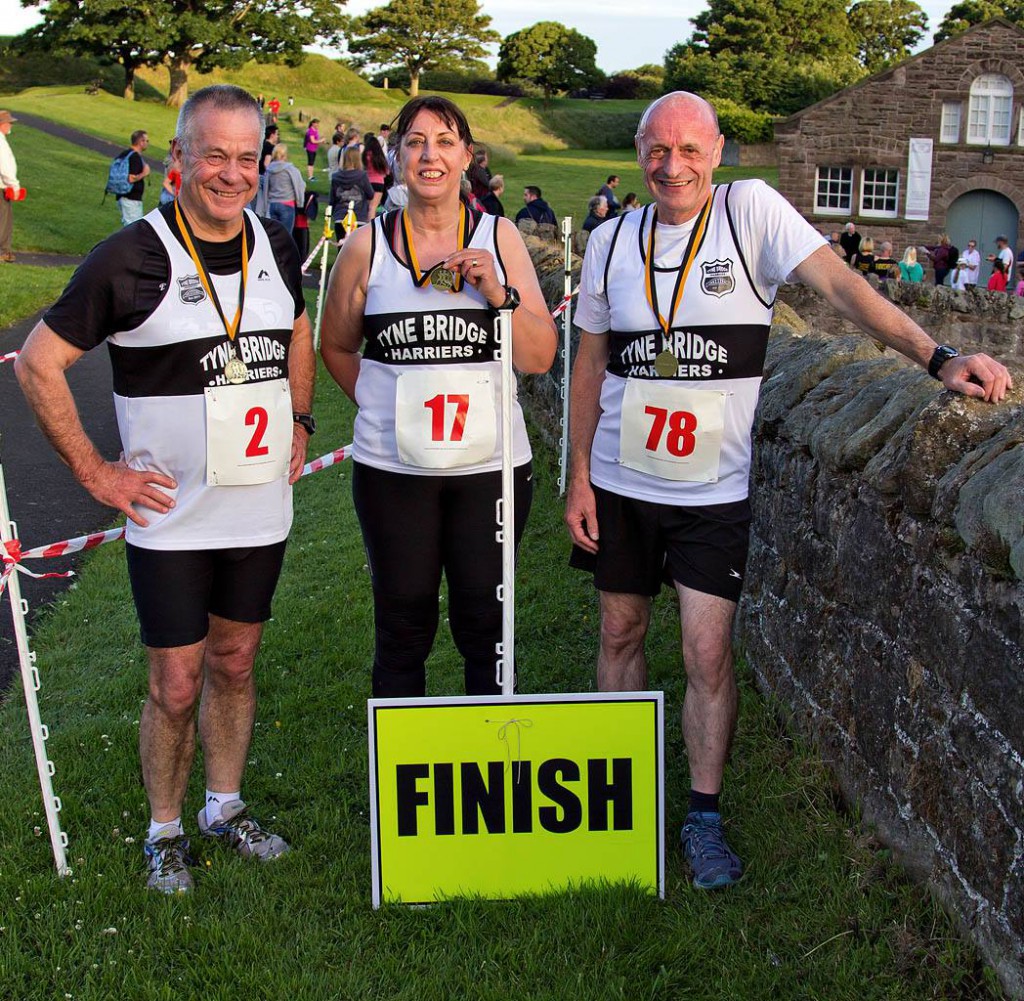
{"type": "Point", "coordinates": [375, 163]}
{"type": "Point", "coordinates": [311, 141]}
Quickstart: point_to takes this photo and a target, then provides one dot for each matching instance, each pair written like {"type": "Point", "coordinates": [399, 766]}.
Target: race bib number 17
{"type": "Point", "coordinates": [445, 419]}
{"type": "Point", "coordinates": [672, 432]}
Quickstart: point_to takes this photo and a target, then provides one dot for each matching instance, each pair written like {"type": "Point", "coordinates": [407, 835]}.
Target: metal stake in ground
{"type": "Point", "coordinates": [506, 513]}
{"type": "Point", "coordinates": [31, 683]}
{"type": "Point", "coordinates": [563, 466]}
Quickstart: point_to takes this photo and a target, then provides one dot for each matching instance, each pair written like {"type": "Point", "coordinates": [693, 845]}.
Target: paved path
{"type": "Point", "coordinates": [83, 139]}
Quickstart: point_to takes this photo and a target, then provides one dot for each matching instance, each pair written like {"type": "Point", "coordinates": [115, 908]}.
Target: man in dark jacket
{"type": "Point", "coordinates": [850, 242]}
{"type": "Point", "coordinates": [536, 208]}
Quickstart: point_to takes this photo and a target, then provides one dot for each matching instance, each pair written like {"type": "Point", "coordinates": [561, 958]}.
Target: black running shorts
{"type": "Point", "coordinates": [176, 591]}
{"type": "Point", "coordinates": [644, 545]}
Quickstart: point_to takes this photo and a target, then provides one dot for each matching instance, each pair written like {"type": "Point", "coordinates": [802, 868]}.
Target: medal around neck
{"type": "Point", "coordinates": [235, 370]}
{"type": "Point", "coordinates": [442, 279]}
{"type": "Point", "coordinates": [666, 364]}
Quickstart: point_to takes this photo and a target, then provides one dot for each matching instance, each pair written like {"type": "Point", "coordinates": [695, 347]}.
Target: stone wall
{"type": "Point", "coordinates": [884, 603]}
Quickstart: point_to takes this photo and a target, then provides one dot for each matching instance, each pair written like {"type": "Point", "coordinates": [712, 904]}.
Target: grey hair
{"type": "Point", "coordinates": [675, 94]}
{"type": "Point", "coordinates": [220, 97]}
{"type": "Point", "coordinates": [595, 202]}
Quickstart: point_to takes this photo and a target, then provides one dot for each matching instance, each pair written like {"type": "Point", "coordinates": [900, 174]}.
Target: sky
{"type": "Point", "coordinates": [628, 33]}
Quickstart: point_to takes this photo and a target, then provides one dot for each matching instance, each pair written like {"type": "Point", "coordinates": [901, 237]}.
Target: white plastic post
{"type": "Point", "coordinates": [323, 279]}
{"type": "Point", "coordinates": [30, 682]}
{"type": "Point", "coordinates": [506, 514]}
{"type": "Point", "coordinates": [563, 466]}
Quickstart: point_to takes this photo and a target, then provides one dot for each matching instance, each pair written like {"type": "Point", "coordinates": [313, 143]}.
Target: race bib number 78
{"type": "Point", "coordinates": [672, 432]}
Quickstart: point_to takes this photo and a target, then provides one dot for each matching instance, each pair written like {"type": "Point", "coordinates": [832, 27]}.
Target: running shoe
{"type": "Point", "coordinates": [713, 862]}
{"type": "Point", "coordinates": [169, 858]}
{"type": "Point", "coordinates": [237, 829]}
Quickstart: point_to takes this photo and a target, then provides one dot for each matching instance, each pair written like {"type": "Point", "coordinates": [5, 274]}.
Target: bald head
{"type": "Point", "coordinates": [677, 101]}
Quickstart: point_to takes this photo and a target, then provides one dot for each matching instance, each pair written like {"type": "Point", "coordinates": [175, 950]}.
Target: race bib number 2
{"type": "Point", "coordinates": [445, 419]}
{"type": "Point", "coordinates": [672, 432]}
{"type": "Point", "coordinates": [248, 433]}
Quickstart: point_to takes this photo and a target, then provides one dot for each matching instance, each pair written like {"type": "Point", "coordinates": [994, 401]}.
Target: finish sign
{"type": "Point", "coordinates": [499, 797]}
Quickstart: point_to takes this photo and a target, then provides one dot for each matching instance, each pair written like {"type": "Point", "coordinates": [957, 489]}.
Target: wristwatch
{"type": "Point", "coordinates": [942, 354]}
{"type": "Point", "coordinates": [307, 422]}
{"type": "Point", "coordinates": [512, 300]}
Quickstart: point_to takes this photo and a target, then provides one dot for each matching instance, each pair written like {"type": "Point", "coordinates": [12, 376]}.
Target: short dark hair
{"type": "Point", "coordinates": [612, 177]}
{"type": "Point", "coordinates": [138, 134]}
{"type": "Point", "coordinates": [448, 111]}
{"type": "Point", "coordinates": [533, 189]}
{"type": "Point", "coordinates": [269, 131]}
{"type": "Point", "coordinates": [384, 127]}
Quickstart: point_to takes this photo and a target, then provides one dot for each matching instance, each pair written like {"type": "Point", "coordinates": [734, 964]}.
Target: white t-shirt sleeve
{"type": "Point", "coordinates": [774, 237]}
{"type": "Point", "coordinates": [592, 312]}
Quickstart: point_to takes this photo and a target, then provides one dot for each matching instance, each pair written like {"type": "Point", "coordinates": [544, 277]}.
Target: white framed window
{"type": "Point", "coordinates": [833, 190]}
{"type": "Point", "coordinates": [1020, 129]}
{"type": "Point", "coordinates": [990, 110]}
{"type": "Point", "coordinates": [950, 131]}
{"type": "Point", "coordinates": [879, 192]}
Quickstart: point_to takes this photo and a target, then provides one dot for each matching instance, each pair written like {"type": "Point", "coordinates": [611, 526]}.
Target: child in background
{"type": "Point", "coordinates": [997, 283]}
{"type": "Point", "coordinates": [1020, 284]}
{"type": "Point", "coordinates": [958, 279]}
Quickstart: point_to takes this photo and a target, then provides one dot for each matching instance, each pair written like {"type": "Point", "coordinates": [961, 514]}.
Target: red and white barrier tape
{"type": "Point", "coordinates": [12, 555]}
{"type": "Point", "coordinates": [564, 304]}
{"type": "Point", "coordinates": [9, 357]}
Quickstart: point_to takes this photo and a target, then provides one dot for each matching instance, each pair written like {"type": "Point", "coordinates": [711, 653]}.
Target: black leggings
{"type": "Point", "coordinates": [413, 528]}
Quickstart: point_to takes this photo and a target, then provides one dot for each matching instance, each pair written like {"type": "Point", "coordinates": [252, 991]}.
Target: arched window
{"type": "Point", "coordinates": [990, 111]}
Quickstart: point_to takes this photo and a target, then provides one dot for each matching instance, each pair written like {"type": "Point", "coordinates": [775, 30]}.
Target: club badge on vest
{"type": "Point", "coordinates": [717, 278]}
{"type": "Point", "coordinates": [191, 290]}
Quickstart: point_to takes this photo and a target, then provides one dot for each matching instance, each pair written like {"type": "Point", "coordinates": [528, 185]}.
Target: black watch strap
{"type": "Point", "coordinates": [305, 421]}
{"type": "Point", "coordinates": [512, 300]}
{"type": "Point", "coordinates": [941, 355]}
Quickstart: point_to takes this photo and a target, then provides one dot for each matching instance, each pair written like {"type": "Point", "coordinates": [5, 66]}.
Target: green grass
{"type": "Point", "coordinates": [25, 289]}
{"type": "Point", "coordinates": [821, 913]}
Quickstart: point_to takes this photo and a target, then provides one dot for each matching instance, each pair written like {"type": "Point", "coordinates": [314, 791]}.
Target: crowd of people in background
{"type": "Point", "coordinates": [952, 267]}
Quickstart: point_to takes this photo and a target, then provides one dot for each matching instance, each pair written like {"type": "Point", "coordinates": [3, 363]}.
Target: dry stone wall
{"type": "Point", "coordinates": [884, 597]}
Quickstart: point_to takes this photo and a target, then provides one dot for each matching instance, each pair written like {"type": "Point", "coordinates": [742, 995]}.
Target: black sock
{"type": "Point", "coordinates": [703, 802]}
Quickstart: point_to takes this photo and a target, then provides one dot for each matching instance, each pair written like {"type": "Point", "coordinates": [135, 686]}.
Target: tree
{"type": "Point", "coordinates": [770, 55]}
{"type": "Point", "coordinates": [643, 83]}
{"type": "Point", "coordinates": [418, 36]}
{"type": "Point", "coordinates": [886, 31]}
{"type": "Point", "coordinates": [968, 13]}
{"type": "Point", "coordinates": [192, 33]}
{"type": "Point", "coordinates": [549, 54]}
{"type": "Point", "coordinates": [113, 32]}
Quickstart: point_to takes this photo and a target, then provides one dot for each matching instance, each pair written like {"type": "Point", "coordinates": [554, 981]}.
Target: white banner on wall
{"type": "Point", "coordinates": [919, 179]}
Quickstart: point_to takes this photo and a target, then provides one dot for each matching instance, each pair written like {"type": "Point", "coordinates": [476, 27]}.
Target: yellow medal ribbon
{"type": "Point", "coordinates": [204, 276]}
{"type": "Point", "coordinates": [420, 278]}
{"type": "Point", "coordinates": [696, 239]}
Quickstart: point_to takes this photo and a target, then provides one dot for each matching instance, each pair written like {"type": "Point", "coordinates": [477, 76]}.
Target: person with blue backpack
{"type": "Point", "coordinates": [126, 178]}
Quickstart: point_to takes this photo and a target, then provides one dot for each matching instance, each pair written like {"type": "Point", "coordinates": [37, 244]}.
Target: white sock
{"type": "Point", "coordinates": [158, 826]}
{"type": "Point", "coordinates": [215, 801]}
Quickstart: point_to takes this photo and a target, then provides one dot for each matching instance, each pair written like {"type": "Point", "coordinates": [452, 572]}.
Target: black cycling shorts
{"type": "Point", "coordinates": [643, 545]}
{"type": "Point", "coordinates": [176, 591]}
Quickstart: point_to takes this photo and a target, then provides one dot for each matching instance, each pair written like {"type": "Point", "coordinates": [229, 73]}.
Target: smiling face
{"type": "Point", "coordinates": [432, 158]}
{"type": "Point", "coordinates": [678, 152]}
{"type": "Point", "coordinates": [219, 171]}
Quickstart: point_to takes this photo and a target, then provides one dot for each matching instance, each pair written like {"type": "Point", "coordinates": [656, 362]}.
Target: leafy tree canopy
{"type": "Point", "coordinates": [549, 54]}
{"type": "Point", "coordinates": [886, 31]}
{"type": "Point", "coordinates": [770, 55]}
{"type": "Point", "coordinates": [200, 33]}
{"type": "Point", "coordinates": [418, 36]}
{"type": "Point", "coordinates": [968, 13]}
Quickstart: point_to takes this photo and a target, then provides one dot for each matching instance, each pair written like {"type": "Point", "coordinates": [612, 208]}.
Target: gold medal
{"type": "Point", "coordinates": [442, 279]}
{"type": "Point", "coordinates": [235, 370]}
{"type": "Point", "coordinates": [666, 364]}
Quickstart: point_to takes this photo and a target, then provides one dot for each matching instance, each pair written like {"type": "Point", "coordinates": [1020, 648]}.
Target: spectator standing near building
{"type": "Point", "coordinates": [885, 265]}
{"type": "Point", "coordinates": [675, 309]}
{"type": "Point", "coordinates": [536, 208]}
{"type": "Point", "coordinates": [997, 283]}
{"type": "Point", "coordinates": [1020, 282]}
{"type": "Point", "coordinates": [864, 260]}
{"type": "Point", "coordinates": [973, 259]}
{"type": "Point", "coordinates": [850, 242]}
{"type": "Point", "coordinates": [607, 191]}
{"type": "Point", "coordinates": [206, 530]}
{"type": "Point", "coordinates": [958, 276]}
{"type": "Point", "coordinates": [910, 268]}
{"type": "Point", "coordinates": [943, 257]}
{"type": "Point", "coordinates": [1003, 253]}
{"type": "Point", "coordinates": [10, 188]}
{"type": "Point", "coordinates": [138, 170]}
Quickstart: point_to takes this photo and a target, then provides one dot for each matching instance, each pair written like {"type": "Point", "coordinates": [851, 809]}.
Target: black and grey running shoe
{"type": "Point", "coordinates": [169, 859]}
{"type": "Point", "coordinates": [243, 833]}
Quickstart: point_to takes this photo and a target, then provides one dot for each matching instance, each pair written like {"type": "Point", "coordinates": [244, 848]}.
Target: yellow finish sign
{"type": "Point", "coordinates": [498, 797]}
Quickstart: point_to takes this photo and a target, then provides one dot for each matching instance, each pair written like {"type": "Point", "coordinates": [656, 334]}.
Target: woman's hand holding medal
{"type": "Point", "coordinates": [477, 268]}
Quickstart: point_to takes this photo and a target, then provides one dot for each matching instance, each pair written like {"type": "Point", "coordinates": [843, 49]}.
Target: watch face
{"type": "Point", "coordinates": [512, 299]}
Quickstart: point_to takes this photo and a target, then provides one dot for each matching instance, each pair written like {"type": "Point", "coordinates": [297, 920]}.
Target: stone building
{"type": "Point", "coordinates": [863, 154]}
